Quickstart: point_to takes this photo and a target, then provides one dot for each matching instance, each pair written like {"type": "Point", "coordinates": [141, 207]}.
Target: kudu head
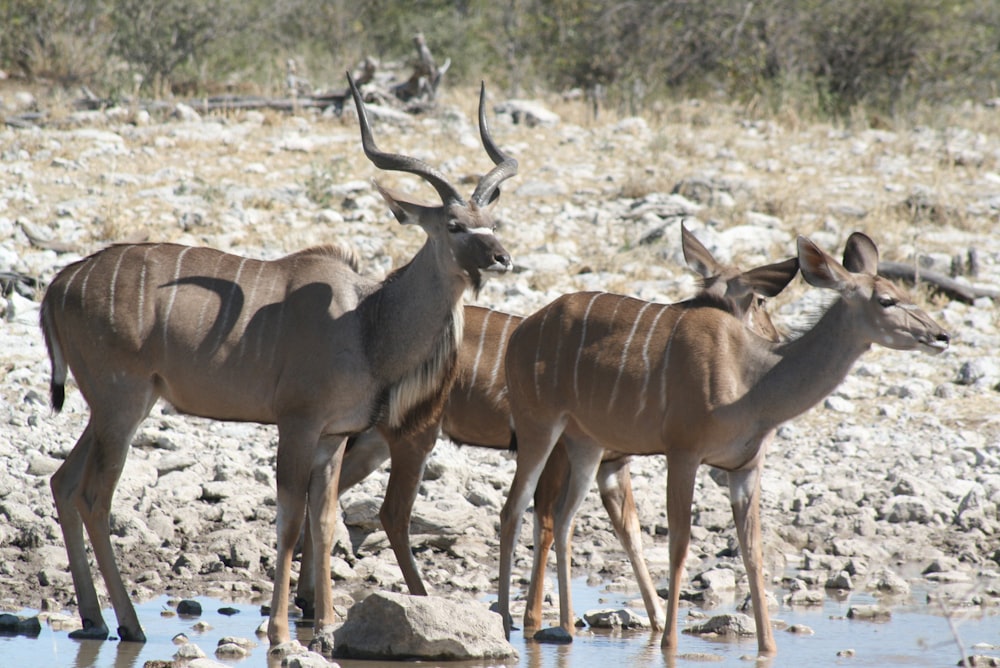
{"type": "Point", "coordinates": [884, 314]}
{"type": "Point", "coordinates": [743, 291]}
{"type": "Point", "coordinates": [460, 230]}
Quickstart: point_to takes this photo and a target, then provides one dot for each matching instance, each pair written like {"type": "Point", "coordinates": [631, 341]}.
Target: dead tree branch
{"type": "Point", "coordinates": [954, 289]}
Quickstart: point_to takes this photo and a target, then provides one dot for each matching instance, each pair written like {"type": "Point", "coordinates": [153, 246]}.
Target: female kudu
{"type": "Point", "coordinates": [605, 372]}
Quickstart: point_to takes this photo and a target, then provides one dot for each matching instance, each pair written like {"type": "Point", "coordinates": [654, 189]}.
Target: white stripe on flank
{"type": "Point", "coordinates": [666, 363]}
{"type": "Point", "coordinates": [142, 290]}
{"type": "Point", "coordinates": [279, 321]}
{"type": "Point", "coordinates": [263, 324]}
{"type": "Point", "coordinates": [111, 291]}
{"type": "Point", "coordinates": [209, 294]}
{"type": "Point", "coordinates": [228, 306]}
{"type": "Point", "coordinates": [172, 297]}
{"type": "Point", "coordinates": [499, 357]}
{"type": "Point", "coordinates": [479, 353]}
{"type": "Point", "coordinates": [556, 359]}
{"type": "Point", "coordinates": [247, 306]}
{"type": "Point", "coordinates": [83, 286]}
{"type": "Point", "coordinates": [624, 359]}
{"type": "Point", "coordinates": [645, 358]}
{"type": "Point", "coordinates": [579, 350]}
{"type": "Point", "coordinates": [69, 283]}
{"type": "Point", "coordinates": [538, 356]}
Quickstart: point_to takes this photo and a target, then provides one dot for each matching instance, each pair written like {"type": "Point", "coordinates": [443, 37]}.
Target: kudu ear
{"type": "Point", "coordinates": [820, 269]}
{"type": "Point", "coordinates": [406, 212]}
{"type": "Point", "coordinates": [697, 256]}
{"type": "Point", "coordinates": [771, 279]}
{"type": "Point", "coordinates": [744, 302]}
{"type": "Point", "coordinates": [861, 254]}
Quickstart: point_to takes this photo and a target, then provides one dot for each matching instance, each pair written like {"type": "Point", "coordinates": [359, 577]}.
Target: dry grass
{"type": "Point", "coordinates": [897, 182]}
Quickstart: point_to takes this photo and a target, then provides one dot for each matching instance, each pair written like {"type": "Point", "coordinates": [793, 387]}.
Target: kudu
{"type": "Point", "coordinates": [304, 342]}
{"type": "Point", "coordinates": [477, 413]}
{"type": "Point", "coordinates": [600, 371]}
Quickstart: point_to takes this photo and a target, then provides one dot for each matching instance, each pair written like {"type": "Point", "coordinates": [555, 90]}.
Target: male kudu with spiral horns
{"type": "Point", "coordinates": [304, 342]}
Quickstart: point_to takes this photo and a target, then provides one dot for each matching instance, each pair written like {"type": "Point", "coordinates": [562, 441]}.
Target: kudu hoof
{"type": "Point", "coordinates": [306, 606]}
{"type": "Point", "coordinates": [127, 636]}
{"type": "Point", "coordinates": [90, 631]}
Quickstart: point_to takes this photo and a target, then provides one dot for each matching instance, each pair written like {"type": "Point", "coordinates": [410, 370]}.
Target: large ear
{"type": "Point", "coordinates": [769, 280]}
{"type": "Point", "coordinates": [861, 255]}
{"type": "Point", "coordinates": [405, 211]}
{"type": "Point", "coordinates": [697, 256]}
{"type": "Point", "coordinates": [820, 269]}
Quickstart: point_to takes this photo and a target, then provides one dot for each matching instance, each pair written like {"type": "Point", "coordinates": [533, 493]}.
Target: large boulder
{"type": "Point", "coordinates": [391, 626]}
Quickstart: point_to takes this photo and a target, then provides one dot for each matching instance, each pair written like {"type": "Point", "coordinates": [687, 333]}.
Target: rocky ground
{"type": "Point", "coordinates": [893, 481]}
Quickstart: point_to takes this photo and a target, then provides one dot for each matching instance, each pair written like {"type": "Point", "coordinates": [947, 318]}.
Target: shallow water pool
{"type": "Point", "coordinates": [916, 635]}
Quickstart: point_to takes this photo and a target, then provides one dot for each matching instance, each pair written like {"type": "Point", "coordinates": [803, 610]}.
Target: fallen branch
{"type": "Point", "coordinates": [24, 121]}
{"type": "Point", "coordinates": [415, 94]}
{"type": "Point", "coordinates": [423, 83]}
{"type": "Point", "coordinates": [40, 240]}
{"type": "Point", "coordinates": [945, 284]}
{"type": "Point", "coordinates": [226, 102]}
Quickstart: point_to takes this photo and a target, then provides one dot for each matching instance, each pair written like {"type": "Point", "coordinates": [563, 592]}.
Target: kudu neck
{"type": "Point", "coordinates": [804, 371]}
{"type": "Point", "coordinates": [410, 314]}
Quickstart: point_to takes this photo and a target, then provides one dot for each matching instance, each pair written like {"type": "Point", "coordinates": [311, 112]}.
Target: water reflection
{"type": "Point", "coordinates": [916, 635]}
{"type": "Point", "coordinates": [104, 653]}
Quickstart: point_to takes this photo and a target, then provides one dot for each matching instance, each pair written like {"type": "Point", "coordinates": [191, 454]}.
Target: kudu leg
{"type": "Point", "coordinates": [305, 590]}
{"type": "Point", "coordinates": [615, 483]}
{"type": "Point", "coordinates": [83, 488]}
{"type": "Point", "coordinates": [583, 466]}
{"type": "Point", "coordinates": [547, 492]}
{"type": "Point", "coordinates": [744, 491]}
{"type": "Point", "coordinates": [409, 457]}
{"type": "Point", "coordinates": [322, 517]}
{"type": "Point", "coordinates": [364, 455]}
{"type": "Point", "coordinates": [534, 446]}
{"type": "Point", "coordinates": [680, 494]}
{"type": "Point", "coordinates": [296, 451]}
{"type": "Point", "coordinates": [65, 485]}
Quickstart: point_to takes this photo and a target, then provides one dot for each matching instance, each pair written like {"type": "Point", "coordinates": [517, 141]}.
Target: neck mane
{"type": "Point", "coordinates": [412, 328]}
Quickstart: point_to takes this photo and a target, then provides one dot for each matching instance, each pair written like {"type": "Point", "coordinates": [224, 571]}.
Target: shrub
{"type": "Point", "coordinates": [66, 42]}
{"type": "Point", "coordinates": [887, 56]}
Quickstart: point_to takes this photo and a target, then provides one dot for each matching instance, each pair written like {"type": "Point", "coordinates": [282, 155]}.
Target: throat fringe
{"type": "Point", "coordinates": [417, 399]}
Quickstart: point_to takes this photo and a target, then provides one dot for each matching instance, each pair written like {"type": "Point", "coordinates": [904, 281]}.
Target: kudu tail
{"type": "Point", "coordinates": [57, 385]}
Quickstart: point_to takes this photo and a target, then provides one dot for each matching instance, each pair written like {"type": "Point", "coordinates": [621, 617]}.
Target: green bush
{"type": "Point", "coordinates": [812, 55]}
{"type": "Point", "coordinates": [157, 38]}
{"type": "Point", "coordinates": [67, 42]}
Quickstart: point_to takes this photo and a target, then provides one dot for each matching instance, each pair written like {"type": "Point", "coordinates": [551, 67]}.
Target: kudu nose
{"type": "Point", "coordinates": [502, 260]}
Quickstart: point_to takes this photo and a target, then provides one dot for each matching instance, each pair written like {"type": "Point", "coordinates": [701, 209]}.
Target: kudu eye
{"type": "Point", "coordinates": [454, 226]}
{"type": "Point", "coordinates": [886, 301]}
